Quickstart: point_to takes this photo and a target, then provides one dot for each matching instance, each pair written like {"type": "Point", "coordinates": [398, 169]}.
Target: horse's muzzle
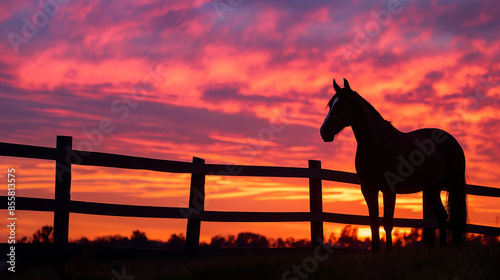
{"type": "Point", "coordinates": [326, 134]}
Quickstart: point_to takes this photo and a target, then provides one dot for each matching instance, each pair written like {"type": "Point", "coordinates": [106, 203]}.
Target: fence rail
{"type": "Point", "coordinates": [62, 205]}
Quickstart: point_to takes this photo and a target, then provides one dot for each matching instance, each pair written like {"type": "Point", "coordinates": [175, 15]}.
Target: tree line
{"type": "Point", "coordinates": [348, 239]}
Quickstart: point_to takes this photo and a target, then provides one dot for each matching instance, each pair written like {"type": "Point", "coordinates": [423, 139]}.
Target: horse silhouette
{"type": "Point", "coordinates": [395, 162]}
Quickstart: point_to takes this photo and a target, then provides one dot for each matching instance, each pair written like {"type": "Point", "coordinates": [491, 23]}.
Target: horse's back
{"type": "Point", "coordinates": [445, 144]}
{"type": "Point", "coordinates": [417, 160]}
{"type": "Point", "coordinates": [436, 155]}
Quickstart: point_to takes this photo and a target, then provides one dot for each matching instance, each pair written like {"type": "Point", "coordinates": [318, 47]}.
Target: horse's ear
{"type": "Point", "coordinates": [346, 85]}
{"type": "Point", "coordinates": [335, 86]}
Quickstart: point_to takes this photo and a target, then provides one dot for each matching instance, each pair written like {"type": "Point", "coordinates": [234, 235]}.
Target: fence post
{"type": "Point", "coordinates": [196, 203]}
{"type": "Point", "coordinates": [316, 204]}
{"type": "Point", "coordinates": [429, 234]}
{"type": "Point", "coordinates": [64, 145]}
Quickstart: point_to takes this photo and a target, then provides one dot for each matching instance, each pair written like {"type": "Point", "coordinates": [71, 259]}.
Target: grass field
{"type": "Point", "coordinates": [405, 263]}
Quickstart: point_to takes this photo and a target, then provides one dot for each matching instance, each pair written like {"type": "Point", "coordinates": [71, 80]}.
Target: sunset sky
{"type": "Point", "coordinates": [238, 82]}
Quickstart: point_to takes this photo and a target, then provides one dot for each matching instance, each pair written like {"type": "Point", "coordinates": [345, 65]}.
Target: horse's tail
{"type": "Point", "coordinates": [457, 199]}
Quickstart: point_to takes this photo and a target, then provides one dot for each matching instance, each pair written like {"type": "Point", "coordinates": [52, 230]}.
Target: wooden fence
{"type": "Point", "coordinates": [65, 156]}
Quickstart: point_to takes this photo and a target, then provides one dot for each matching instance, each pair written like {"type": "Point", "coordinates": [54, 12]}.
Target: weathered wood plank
{"type": "Point", "coordinates": [62, 189]}
{"type": "Point", "coordinates": [122, 210]}
{"type": "Point", "coordinates": [197, 203]}
{"type": "Point", "coordinates": [316, 204]}
{"type": "Point", "coordinates": [258, 217]}
{"type": "Point", "coordinates": [340, 176]}
{"type": "Point", "coordinates": [96, 208]}
{"type": "Point", "coordinates": [258, 171]}
{"type": "Point", "coordinates": [132, 162]}
{"type": "Point", "coordinates": [27, 151]}
{"type": "Point", "coordinates": [483, 191]}
{"type": "Point", "coordinates": [33, 204]}
{"type": "Point", "coordinates": [478, 229]}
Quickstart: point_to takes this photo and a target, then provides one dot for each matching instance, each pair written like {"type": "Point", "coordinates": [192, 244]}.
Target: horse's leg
{"type": "Point", "coordinates": [371, 198]}
{"type": "Point", "coordinates": [389, 204]}
{"type": "Point", "coordinates": [434, 198]}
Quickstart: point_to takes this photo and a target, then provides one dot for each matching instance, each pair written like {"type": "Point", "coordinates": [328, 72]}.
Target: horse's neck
{"type": "Point", "coordinates": [372, 131]}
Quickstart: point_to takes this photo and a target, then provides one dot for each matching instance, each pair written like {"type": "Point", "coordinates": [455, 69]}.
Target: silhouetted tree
{"type": "Point", "coordinates": [251, 240]}
{"type": "Point", "coordinates": [331, 240]}
{"type": "Point", "coordinates": [112, 240]}
{"type": "Point", "coordinates": [23, 240]}
{"type": "Point", "coordinates": [479, 239]}
{"type": "Point", "coordinates": [219, 242]}
{"type": "Point", "coordinates": [177, 242]}
{"type": "Point", "coordinates": [139, 239]}
{"type": "Point", "coordinates": [83, 240]}
{"type": "Point", "coordinates": [279, 243]}
{"type": "Point", "coordinates": [43, 235]}
{"type": "Point", "coordinates": [290, 242]}
{"type": "Point", "coordinates": [414, 237]}
{"type": "Point", "coordinates": [348, 237]}
{"type": "Point", "coordinates": [398, 241]}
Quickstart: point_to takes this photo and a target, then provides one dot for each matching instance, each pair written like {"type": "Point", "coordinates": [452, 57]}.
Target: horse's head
{"type": "Point", "coordinates": [340, 114]}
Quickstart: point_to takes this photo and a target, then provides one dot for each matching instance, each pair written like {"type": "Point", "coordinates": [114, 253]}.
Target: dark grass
{"type": "Point", "coordinates": [470, 262]}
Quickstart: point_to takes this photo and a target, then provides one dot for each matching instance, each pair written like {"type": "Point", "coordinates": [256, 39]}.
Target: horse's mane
{"type": "Point", "coordinates": [371, 108]}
